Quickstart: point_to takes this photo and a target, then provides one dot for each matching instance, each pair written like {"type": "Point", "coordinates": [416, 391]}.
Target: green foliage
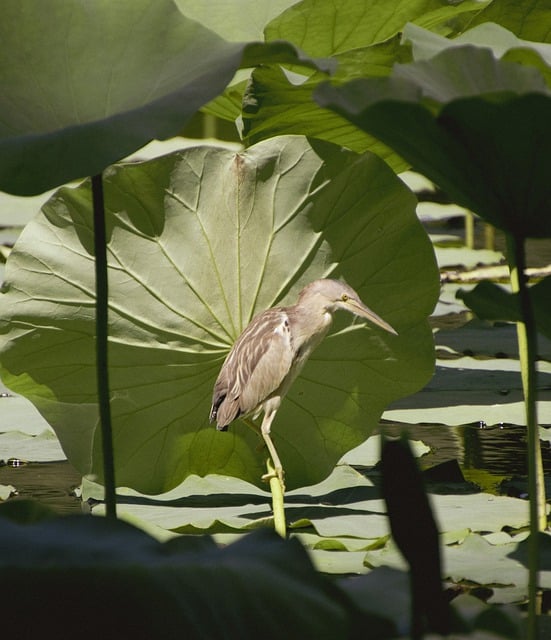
{"type": "Point", "coordinates": [187, 271]}
{"type": "Point", "coordinates": [363, 39]}
{"type": "Point", "coordinates": [439, 123]}
{"type": "Point", "coordinates": [478, 126]}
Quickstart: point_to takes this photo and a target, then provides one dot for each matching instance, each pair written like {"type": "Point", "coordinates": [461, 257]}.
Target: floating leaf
{"type": "Point", "coordinates": [18, 414]}
{"type": "Point", "coordinates": [199, 242]}
{"type": "Point", "coordinates": [481, 338]}
{"type": "Point", "coordinates": [466, 390]}
{"type": "Point", "coordinates": [40, 448]}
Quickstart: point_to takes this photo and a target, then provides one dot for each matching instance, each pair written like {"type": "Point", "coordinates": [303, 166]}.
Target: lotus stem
{"type": "Point", "coordinates": [469, 229]}
{"type": "Point", "coordinates": [527, 342]}
{"type": "Point", "coordinates": [102, 370]}
{"type": "Point", "coordinates": [278, 507]}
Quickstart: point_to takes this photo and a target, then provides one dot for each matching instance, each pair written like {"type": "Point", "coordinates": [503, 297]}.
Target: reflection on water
{"type": "Point", "coordinates": [51, 483]}
{"type": "Point", "coordinates": [499, 451]}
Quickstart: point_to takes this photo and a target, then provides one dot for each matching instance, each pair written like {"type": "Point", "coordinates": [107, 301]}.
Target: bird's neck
{"type": "Point", "coordinates": [310, 329]}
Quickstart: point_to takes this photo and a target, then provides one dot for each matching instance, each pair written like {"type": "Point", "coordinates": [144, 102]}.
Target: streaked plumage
{"type": "Point", "coordinates": [271, 351]}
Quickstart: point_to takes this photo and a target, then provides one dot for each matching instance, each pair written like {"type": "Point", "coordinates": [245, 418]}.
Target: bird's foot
{"type": "Point", "coordinates": [275, 473]}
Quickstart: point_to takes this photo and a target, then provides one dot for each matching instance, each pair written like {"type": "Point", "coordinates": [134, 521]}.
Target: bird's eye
{"type": "Point", "coordinates": [344, 297]}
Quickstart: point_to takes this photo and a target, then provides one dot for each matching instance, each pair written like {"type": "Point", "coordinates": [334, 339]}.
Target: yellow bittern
{"type": "Point", "coordinates": [271, 351]}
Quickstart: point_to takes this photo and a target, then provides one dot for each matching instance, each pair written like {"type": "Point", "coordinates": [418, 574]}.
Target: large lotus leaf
{"type": "Point", "coordinates": [478, 127]}
{"type": "Point", "coordinates": [199, 242]}
{"type": "Point", "coordinates": [85, 84]}
{"type": "Point", "coordinates": [325, 27]}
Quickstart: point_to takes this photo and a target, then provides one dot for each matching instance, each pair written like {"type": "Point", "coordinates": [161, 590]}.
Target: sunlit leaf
{"type": "Point", "coordinates": [274, 105]}
{"type": "Point", "coordinates": [199, 242]}
{"type": "Point", "coordinates": [43, 447]}
{"type": "Point", "coordinates": [323, 27]}
{"type": "Point", "coordinates": [237, 20]}
{"type": "Point", "coordinates": [484, 339]}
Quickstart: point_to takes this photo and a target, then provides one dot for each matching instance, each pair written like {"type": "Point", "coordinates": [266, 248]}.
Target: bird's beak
{"type": "Point", "coordinates": [357, 307]}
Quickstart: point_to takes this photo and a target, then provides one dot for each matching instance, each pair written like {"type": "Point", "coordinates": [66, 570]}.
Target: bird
{"type": "Point", "coordinates": [270, 353]}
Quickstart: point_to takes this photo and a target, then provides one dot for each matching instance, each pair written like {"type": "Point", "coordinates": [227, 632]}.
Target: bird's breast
{"type": "Point", "coordinates": [306, 334]}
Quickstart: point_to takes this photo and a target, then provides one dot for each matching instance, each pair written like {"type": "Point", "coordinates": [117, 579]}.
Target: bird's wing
{"type": "Point", "coordinates": [255, 367]}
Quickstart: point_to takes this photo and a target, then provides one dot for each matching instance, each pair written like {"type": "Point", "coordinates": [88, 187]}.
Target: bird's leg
{"type": "Point", "coordinates": [265, 430]}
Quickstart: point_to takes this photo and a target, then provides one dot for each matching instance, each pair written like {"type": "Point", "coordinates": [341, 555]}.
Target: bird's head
{"type": "Point", "coordinates": [335, 294]}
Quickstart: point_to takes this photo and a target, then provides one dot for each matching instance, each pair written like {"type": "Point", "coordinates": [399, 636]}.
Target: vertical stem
{"type": "Point", "coordinates": [102, 371]}
{"type": "Point", "coordinates": [489, 236]}
{"type": "Point", "coordinates": [469, 230]}
{"type": "Point", "coordinates": [209, 126]}
{"type": "Point", "coordinates": [527, 341]}
{"type": "Point", "coordinates": [278, 507]}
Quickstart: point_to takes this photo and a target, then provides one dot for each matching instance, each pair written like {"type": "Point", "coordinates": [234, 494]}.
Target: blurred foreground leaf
{"type": "Point", "coordinates": [137, 587]}
{"type": "Point", "coordinates": [116, 75]}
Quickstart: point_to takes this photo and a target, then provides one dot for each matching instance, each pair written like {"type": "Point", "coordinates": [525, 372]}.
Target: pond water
{"type": "Point", "coordinates": [51, 483]}
{"type": "Point", "coordinates": [488, 457]}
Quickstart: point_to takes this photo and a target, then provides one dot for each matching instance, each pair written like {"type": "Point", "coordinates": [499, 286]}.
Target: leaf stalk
{"type": "Point", "coordinates": [102, 370]}
{"type": "Point", "coordinates": [527, 342]}
{"type": "Point", "coordinates": [278, 506]}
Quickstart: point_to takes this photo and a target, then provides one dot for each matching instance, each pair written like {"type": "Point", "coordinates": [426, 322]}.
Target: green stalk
{"type": "Point", "coordinates": [278, 507]}
{"type": "Point", "coordinates": [102, 371]}
{"type": "Point", "coordinates": [469, 229]}
{"type": "Point", "coordinates": [527, 342]}
{"type": "Point", "coordinates": [489, 237]}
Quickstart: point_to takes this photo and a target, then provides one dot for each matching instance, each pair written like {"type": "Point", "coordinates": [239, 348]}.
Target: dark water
{"type": "Point", "coordinates": [51, 483]}
{"type": "Point", "coordinates": [489, 457]}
